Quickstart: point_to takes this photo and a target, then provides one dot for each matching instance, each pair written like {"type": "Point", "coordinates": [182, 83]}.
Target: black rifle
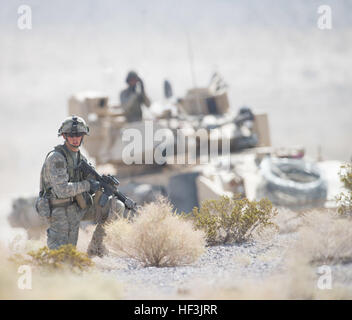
{"type": "Point", "coordinates": [109, 185]}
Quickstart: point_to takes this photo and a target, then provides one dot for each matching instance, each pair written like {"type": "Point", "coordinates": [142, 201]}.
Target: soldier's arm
{"type": "Point", "coordinates": [146, 100]}
{"type": "Point", "coordinates": [143, 98]}
{"type": "Point", "coordinates": [57, 176]}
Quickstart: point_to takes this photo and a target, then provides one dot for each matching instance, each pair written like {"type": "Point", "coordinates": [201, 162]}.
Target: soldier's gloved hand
{"type": "Point", "coordinates": [129, 203]}
{"type": "Point", "coordinates": [140, 81]}
{"type": "Point", "coordinates": [138, 88]}
{"type": "Point", "coordinates": [94, 185]}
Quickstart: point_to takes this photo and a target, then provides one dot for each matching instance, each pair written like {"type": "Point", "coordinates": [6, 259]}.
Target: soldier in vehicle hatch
{"type": "Point", "coordinates": [133, 97]}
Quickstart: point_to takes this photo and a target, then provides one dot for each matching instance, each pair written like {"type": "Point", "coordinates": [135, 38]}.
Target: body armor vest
{"type": "Point", "coordinates": [74, 173]}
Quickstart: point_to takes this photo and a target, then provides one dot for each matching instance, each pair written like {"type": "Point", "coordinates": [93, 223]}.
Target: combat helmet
{"type": "Point", "coordinates": [73, 124]}
{"type": "Point", "coordinates": [131, 75]}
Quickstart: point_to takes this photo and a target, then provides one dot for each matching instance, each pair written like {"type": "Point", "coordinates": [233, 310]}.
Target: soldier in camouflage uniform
{"type": "Point", "coordinates": [74, 197]}
{"type": "Point", "coordinates": [133, 97]}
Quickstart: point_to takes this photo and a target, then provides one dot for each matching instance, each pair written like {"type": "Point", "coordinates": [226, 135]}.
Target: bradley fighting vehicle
{"type": "Point", "coordinates": [179, 149]}
{"type": "Point", "coordinates": [191, 149]}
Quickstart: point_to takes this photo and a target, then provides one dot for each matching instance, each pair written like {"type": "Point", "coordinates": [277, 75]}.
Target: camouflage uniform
{"type": "Point", "coordinates": [132, 100]}
{"type": "Point", "coordinates": [64, 181]}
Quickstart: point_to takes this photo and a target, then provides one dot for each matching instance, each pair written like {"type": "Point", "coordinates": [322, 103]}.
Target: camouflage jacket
{"type": "Point", "coordinates": [132, 102]}
{"type": "Point", "coordinates": [60, 178]}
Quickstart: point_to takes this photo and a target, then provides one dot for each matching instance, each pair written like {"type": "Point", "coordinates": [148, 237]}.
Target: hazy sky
{"type": "Point", "coordinates": [169, 14]}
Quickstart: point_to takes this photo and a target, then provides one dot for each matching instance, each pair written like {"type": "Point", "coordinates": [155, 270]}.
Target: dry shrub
{"type": "Point", "coordinates": [59, 285]}
{"type": "Point", "coordinates": [325, 238]}
{"type": "Point", "coordinates": [344, 200]}
{"type": "Point", "coordinates": [345, 204]}
{"type": "Point", "coordinates": [156, 237]}
{"type": "Point", "coordinates": [346, 175]}
{"type": "Point", "coordinates": [232, 220]}
{"type": "Point", "coordinates": [65, 258]}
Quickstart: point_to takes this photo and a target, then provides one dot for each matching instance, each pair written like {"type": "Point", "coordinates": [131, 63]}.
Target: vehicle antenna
{"type": "Point", "coordinates": [193, 74]}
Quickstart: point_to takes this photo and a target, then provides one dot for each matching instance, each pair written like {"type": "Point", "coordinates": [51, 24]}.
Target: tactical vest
{"type": "Point", "coordinates": [74, 174]}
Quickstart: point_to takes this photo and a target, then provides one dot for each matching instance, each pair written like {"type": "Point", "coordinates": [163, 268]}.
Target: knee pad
{"type": "Point", "coordinates": [117, 207]}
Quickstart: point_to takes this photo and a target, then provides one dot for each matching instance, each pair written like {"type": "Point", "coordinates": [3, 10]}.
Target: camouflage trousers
{"type": "Point", "coordinates": [64, 223]}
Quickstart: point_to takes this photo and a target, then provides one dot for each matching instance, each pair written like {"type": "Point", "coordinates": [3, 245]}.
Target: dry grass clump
{"type": "Point", "coordinates": [38, 255]}
{"type": "Point", "coordinates": [325, 238]}
{"type": "Point", "coordinates": [232, 220]}
{"type": "Point", "coordinates": [58, 285]}
{"type": "Point", "coordinates": [65, 258]}
{"type": "Point", "coordinates": [156, 237]}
